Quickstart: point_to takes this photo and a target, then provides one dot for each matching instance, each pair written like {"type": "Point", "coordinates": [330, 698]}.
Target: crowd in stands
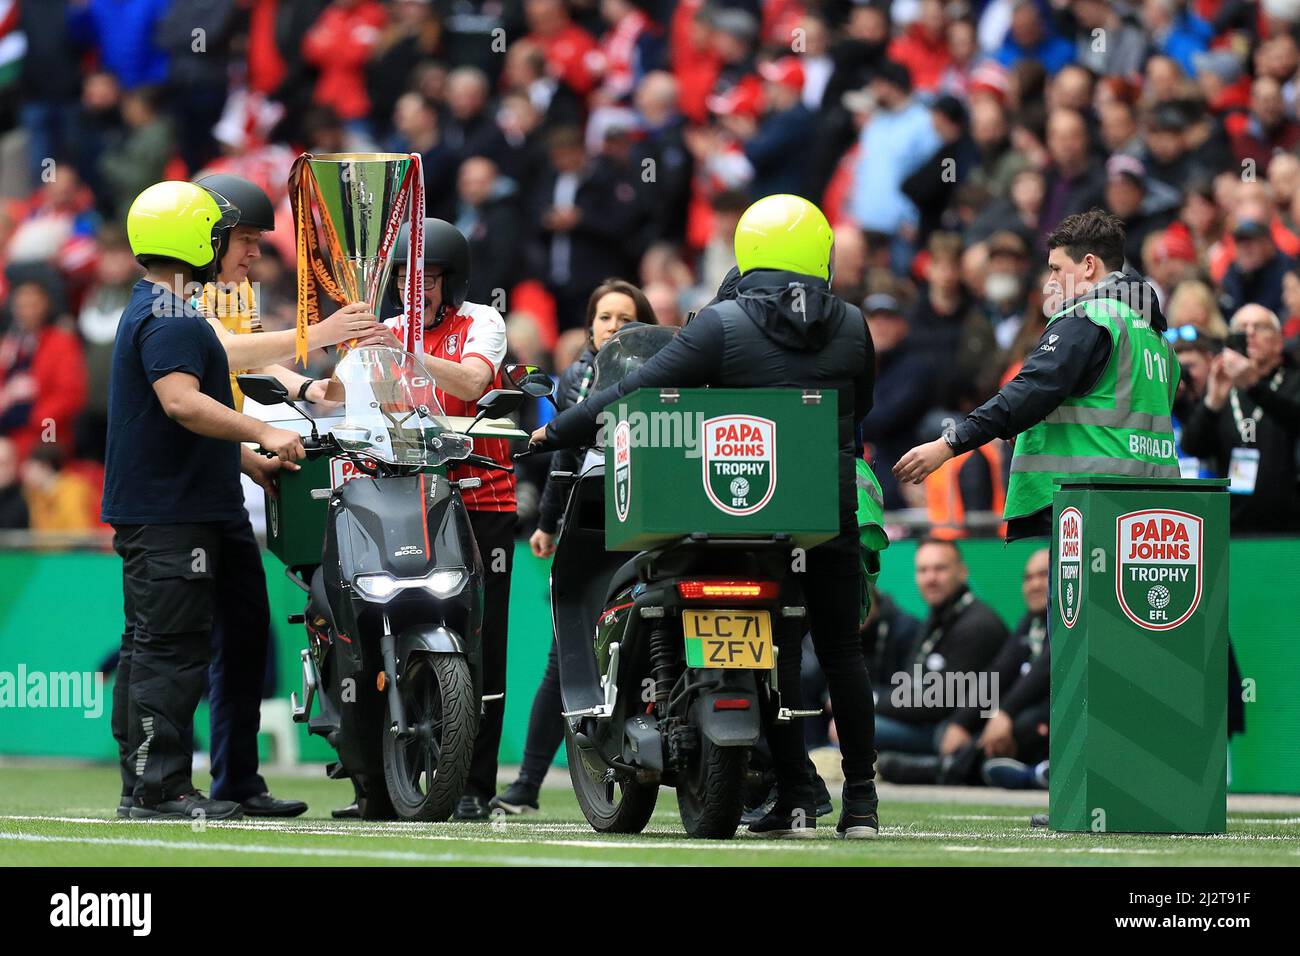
{"type": "Point", "coordinates": [578, 141]}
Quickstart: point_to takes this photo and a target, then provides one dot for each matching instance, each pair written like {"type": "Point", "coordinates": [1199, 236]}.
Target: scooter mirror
{"type": "Point", "coordinates": [531, 380]}
{"type": "Point", "coordinates": [499, 402]}
{"type": "Point", "coordinates": [263, 389]}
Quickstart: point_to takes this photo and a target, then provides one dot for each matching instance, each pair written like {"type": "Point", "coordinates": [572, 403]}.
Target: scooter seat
{"type": "Point", "coordinates": [624, 577]}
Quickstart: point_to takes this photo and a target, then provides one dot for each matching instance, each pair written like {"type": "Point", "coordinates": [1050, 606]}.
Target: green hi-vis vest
{"type": "Point", "coordinates": [872, 538]}
{"type": "Point", "coordinates": [1121, 427]}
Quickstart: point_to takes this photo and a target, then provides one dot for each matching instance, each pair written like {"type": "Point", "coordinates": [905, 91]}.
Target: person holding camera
{"type": "Point", "coordinates": [1249, 421]}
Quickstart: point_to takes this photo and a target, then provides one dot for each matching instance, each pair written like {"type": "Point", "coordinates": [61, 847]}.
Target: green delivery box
{"type": "Point", "coordinates": [726, 462]}
{"type": "Point", "coordinates": [1139, 637]}
{"type": "Point", "coordinates": [295, 518]}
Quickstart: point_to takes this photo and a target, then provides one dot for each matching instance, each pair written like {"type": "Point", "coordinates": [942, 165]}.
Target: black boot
{"type": "Point", "coordinates": [785, 822]}
{"type": "Point", "coordinates": [909, 768]}
{"type": "Point", "coordinates": [860, 816]}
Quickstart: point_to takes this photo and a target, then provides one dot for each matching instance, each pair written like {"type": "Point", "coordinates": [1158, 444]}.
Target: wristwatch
{"type": "Point", "coordinates": [302, 390]}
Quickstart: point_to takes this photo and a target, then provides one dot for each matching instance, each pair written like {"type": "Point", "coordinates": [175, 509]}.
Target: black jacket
{"type": "Point", "coordinates": [1071, 356]}
{"type": "Point", "coordinates": [760, 341]}
{"type": "Point", "coordinates": [1022, 679]}
{"type": "Point", "coordinates": [492, 231]}
{"type": "Point", "coordinates": [1261, 287]}
{"type": "Point", "coordinates": [964, 633]}
{"type": "Point", "coordinates": [886, 639]}
{"type": "Point", "coordinates": [570, 390]}
{"type": "Point", "coordinates": [610, 214]}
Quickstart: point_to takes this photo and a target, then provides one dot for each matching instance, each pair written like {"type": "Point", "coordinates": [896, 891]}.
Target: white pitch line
{"type": "Point", "coordinates": [405, 856]}
{"type": "Point", "coordinates": [1048, 849]}
{"type": "Point", "coordinates": [745, 844]}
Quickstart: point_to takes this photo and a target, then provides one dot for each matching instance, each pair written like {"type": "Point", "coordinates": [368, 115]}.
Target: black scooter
{"type": "Point", "coordinates": [394, 610]}
{"type": "Point", "coordinates": [641, 708]}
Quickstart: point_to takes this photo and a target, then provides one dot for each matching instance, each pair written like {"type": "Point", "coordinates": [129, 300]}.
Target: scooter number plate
{"type": "Point", "coordinates": [728, 639]}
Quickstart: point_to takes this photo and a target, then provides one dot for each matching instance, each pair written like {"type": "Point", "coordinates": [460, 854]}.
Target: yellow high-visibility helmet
{"type": "Point", "coordinates": [784, 232]}
{"type": "Point", "coordinates": [179, 220]}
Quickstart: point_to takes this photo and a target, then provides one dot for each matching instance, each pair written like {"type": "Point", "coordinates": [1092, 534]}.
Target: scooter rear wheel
{"type": "Point", "coordinates": [612, 807]}
{"type": "Point", "coordinates": [426, 772]}
{"type": "Point", "coordinates": [710, 793]}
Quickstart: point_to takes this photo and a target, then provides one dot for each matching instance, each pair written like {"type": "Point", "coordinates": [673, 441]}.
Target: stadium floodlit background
{"type": "Point", "coordinates": [943, 141]}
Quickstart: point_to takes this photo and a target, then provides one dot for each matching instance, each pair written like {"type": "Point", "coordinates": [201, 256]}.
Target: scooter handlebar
{"type": "Point", "coordinates": [482, 461]}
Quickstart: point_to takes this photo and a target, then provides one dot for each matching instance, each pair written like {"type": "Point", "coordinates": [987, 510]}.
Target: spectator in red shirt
{"type": "Point", "coordinates": [339, 45]}
{"type": "Point", "coordinates": [923, 47]}
{"type": "Point", "coordinates": [692, 59]}
{"type": "Point", "coordinates": [570, 50]}
{"type": "Point", "coordinates": [42, 374]}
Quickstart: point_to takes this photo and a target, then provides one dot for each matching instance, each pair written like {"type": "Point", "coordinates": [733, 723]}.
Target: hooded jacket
{"type": "Point", "coordinates": [781, 330]}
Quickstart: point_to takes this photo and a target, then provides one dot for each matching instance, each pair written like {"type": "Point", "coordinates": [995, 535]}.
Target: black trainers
{"type": "Point", "coordinates": [518, 798]}
{"type": "Point", "coordinates": [1009, 774]}
{"type": "Point", "coordinates": [908, 768]}
{"type": "Point", "coordinates": [265, 805]}
{"type": "Point", "coordinates": [124, 805]}
{"type": "Point", "coordinates": [785, 823]}
{"type": "Point", "coordinates": [189, 806]}
{"type": "Point", "coordinates": [351, 812]}
{"type": "Point", "coordinates": [859, 816]}
{"type": "Point", "coordinates": [471, 808]}
{"type": "Point", "coordinates": [824, 805]}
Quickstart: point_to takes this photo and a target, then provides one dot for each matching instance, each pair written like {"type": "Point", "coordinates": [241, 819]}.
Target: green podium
{"type": "Point", "coordinates": [1139, 634]}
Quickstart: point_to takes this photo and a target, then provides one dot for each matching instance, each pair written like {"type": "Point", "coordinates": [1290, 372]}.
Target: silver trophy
{"type": "Point", "coordinates": [358, 196]}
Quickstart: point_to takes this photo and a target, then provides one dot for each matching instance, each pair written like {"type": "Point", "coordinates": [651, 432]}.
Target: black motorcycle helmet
{"type": "Point", "coordinates": [252, 204]}
{"type": "Point", "coordinates": [445, 247]}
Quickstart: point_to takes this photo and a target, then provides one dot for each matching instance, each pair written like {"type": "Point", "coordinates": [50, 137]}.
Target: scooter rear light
{"type": "Point", "coordinates": [727, 590]}
{"type": "Point", "coordinates": [740, 703]}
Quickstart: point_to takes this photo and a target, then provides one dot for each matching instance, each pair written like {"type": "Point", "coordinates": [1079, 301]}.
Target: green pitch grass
{"type": "Point", "coordinates": [65, 816]}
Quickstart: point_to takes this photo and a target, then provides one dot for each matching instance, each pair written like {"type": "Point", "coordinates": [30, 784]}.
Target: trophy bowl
{"type": "Point", "coordinates": [361, 203]}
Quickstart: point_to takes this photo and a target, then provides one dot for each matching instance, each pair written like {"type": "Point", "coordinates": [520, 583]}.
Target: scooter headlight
{"type": "Point", "coordinates": [444, 582]}
{"type": "Point", "coordinates": [376, 587]}
{"type": "Point", "coordinates": [441, 582]}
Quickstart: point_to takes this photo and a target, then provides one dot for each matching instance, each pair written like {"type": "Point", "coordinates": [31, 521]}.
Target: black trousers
{"type": "Point", "coordinates": [545, 725]}
{"type": "Point", "coordinates": [832, 592]}
{"type": "Point", "coordinates": [171, 578]}
{"type": "Point", "coordinates": [494, 531]}
{"type": "Point", "coordinates": [241, 637]}
{"type": "Point", "coordinates": [1031, 746]}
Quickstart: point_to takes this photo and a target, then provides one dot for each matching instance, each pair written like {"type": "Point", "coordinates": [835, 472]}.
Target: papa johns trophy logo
{"type": "Point", "coordinates": [739, 462]}
{"type": "Point", "coordinates": [622, 469]}
{"type": "Point", "coordinates": [1069, 565]}
{"type": "Point", "coordinates": [1159, 567]}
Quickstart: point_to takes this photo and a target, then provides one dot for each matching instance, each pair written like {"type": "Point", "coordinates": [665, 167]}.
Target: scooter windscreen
{"type": "Point", "coordinates": [391, 412]}
{"type": "Point", "coordinates": [627, 350]}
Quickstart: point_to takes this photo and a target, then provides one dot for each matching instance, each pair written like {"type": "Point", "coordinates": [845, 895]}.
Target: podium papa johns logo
{"type": "Point", "coordinates": [1069, 565]}
{"type": "Point", "coordinates": [1158, 567]}
{"type": "Point", "coordinates": [739, 462]}
{"type": "Point", "coordinates": [622, 470]}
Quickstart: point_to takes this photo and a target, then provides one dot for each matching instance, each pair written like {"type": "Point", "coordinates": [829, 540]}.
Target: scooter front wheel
{"type": "Point", "coordinates": [426, 770]}
{"type": "Point", "coordinates": [610, 806]}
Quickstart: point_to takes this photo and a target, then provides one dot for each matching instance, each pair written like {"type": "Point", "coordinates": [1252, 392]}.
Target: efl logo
{"type": "Point", "coordinates": [1069, 565]}
{"type": "Point", "coordinates": [739, 462]}
{"type": "Point", "coordinates": [622, 470]}
{"type": "Point", "coordinates": [1158, 567]}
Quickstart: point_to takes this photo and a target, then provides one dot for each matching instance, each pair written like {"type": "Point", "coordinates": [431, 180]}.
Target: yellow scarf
{"type": "Point", "coordinates": [236, 309]}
